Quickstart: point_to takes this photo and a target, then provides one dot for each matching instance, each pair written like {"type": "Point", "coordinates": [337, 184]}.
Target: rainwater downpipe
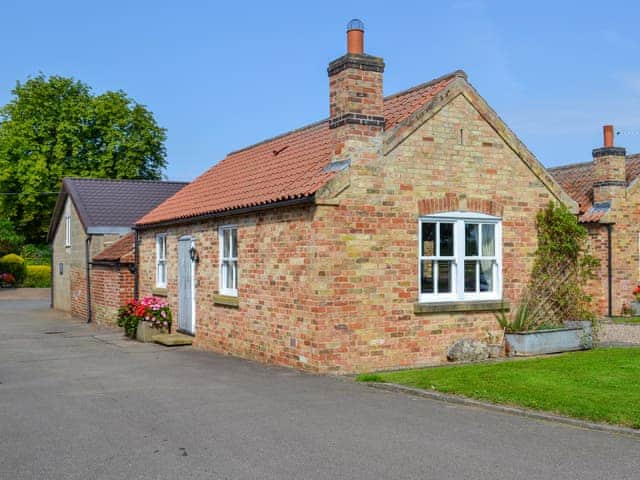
{"type": "Point", "coordinates": [609, 270]}
{"type": "Point", "coordinates": [136, 266]}
{"type": "Point", "coordinates": [87, 248]}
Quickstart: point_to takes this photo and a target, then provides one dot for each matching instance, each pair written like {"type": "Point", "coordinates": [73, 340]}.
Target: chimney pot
{"type": "Point", "coordinates": [608, 135]}
{"type": "Point", "coordinates": [355, 37]}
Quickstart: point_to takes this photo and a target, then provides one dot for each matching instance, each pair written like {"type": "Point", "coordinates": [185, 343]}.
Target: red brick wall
{"type": "Point", "coordinates": [274, 322]}
{"type": "Point", "coordinates": [597, 287]}
{"type": "Point", "coordinates": [111, 287]}
{"type": "Point", "coordinates": [625, 245]}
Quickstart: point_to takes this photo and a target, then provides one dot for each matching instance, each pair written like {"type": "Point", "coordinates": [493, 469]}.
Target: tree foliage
{"type": "Point", "coordinates": [55, 127]}
{"type": "Point", "coordinates": [10, 241]}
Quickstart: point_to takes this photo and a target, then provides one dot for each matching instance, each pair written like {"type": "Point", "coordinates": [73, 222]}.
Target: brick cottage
{"type": "Point", "coordinates": [371, 240]}
{"type": "Point", "coordinates": [607, 190]}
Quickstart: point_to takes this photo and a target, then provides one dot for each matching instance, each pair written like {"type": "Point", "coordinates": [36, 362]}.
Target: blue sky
{"type": "Point", "coordinates": [223, 75]}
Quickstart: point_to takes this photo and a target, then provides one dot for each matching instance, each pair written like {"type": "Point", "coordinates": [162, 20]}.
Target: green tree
{"type": "Point", "coordinates": [55, 127]}
{"type": "Point", "coordinates": [10, 241]}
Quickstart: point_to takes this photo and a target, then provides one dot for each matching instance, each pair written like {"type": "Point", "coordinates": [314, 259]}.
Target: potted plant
{"type": "Point", "coordinates": [526, 335]}
{"type": "Point", "coordinates": [7, 280]}
{"type": "Point", "coordinates": [635, 306]}
{"type": "Point", "coordinates": [128, 319]}
{"type": "Point", "coordinates": [142, 319]}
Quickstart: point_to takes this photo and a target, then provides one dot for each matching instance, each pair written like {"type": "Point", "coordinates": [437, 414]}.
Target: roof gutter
{"type": "Point", "coordinates": [227, 213]}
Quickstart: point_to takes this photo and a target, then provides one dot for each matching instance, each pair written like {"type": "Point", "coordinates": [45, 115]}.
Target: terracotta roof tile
{"type": "Point", "coordinates": [120, 251]}
{"type": "Point", "coordinates": [399, 106]}
{"type": "Point", "coordinates": [595, 213]}
{"type": "Point", "coordinates": [577, 180]}
{"type": "Point", "coordinates": [286, 167]}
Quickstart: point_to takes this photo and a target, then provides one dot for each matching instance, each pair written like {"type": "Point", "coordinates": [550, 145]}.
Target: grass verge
{"type": "Point", "coordinates": [599, 385]}
{"type": "Point", "coordinates": [625, 319]}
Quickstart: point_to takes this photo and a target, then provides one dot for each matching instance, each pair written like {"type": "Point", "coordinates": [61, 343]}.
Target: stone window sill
{"type": "Point", "coordinates": [159, 292]}
{"type": "Point", "coordinates": [451, 307]}
{"type": "Point", "coordinates": [226, 300]}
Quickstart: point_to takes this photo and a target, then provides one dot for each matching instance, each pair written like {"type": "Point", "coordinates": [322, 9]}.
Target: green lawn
{"type": "Point", "coordinates": [601, 385]}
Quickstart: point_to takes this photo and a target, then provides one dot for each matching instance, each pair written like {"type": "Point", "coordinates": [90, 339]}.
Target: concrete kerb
{"type": "Point", "coordinates": [522, 412]}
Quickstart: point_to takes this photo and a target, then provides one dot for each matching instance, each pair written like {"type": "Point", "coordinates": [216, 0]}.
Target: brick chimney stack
{"type": "Point", "coordinates": [610, 173]}
{"type": "Point", "coordinates": [355, 93]}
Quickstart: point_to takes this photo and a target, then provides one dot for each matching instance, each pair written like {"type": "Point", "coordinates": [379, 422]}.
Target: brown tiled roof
{"type": "Point", "coordinates": [287, 167]}
{"type": "Point", "coordinates": [577, 180]}
{"type": "Point", "coordinates": [121, 251]}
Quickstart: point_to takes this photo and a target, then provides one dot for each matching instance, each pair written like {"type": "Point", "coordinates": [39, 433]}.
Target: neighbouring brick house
{"type": "Point", "coordinates": [371, 240]}
{"type": "Point", "coordinates": [90, 214]}
{"type": "Point", "coordinates": [607, 190]}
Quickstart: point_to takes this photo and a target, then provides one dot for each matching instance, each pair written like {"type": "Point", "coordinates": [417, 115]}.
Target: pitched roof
{"type": "Point", "coordinates": [121, 251]}
{"type": "Point", "coordinates": [111, 206]}
{"type": "Point", "coordinates": [286, 167]}
{"type": "Point", "coordinates": [577, 180]}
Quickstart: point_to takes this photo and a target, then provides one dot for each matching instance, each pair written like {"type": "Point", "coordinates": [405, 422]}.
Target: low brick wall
{"type": "Point", "coordinates": [619, 333]}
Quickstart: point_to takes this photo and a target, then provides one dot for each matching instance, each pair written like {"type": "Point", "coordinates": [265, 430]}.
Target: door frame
{"type": "Point", "coordinates": [192, 239]}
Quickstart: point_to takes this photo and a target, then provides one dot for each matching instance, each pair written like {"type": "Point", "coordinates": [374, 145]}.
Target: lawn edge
{"type": "Point", "coordinates": [519, 411]}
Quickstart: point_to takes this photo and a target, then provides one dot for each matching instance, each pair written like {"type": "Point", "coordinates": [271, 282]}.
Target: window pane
{"type": "Point", "coordinates": [229, 279]}
{"type": "Point", "coordinates": [428, 239]}
{"type": "Point", "coordinates": [486, 276]}
{"type": "Point", "coordinates": [445, 277]}
{"type": "Point", "coordinates": [225, 243]}
{"type": "Point", "coordinates": [235, 275]}
{"type": "Point", "coordinates": [446, 239]}
{"type": "Point", "coordinates": [426, 276]}
{"type": "Point", "coordinates": [223, 275]}
{"type": "Point", "coordinates": [234, 243]}
{"type": "Point", "coordinates": [488, 240]}
{"type": "Point", "coordinates": [471, 239]}
{"type": "Point", "coordinates": [470, 276]}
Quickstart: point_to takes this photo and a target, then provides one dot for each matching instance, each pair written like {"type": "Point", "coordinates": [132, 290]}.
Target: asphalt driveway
{"type": "Point", "coordinates": [76, 403]}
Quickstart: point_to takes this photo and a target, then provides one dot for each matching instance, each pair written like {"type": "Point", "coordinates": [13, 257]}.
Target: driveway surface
{"type": "Point", "coordinates": [77, 403]}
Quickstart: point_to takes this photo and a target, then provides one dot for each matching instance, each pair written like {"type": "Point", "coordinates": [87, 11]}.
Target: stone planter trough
{"type": "Point", "coordinates": [574, 336]}
{"type": "Point", "coordinates": [635, 308]}
{"type": "Point", "coordinates": [145, 332]}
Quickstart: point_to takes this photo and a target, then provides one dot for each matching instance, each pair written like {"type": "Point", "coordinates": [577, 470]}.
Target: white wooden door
{"type": "Point", "coordinates": [186, 300]}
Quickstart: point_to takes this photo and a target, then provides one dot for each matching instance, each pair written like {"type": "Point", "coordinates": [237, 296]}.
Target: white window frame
{"type": "Point", "coordinates": [460, 219]}
{"type": "Point", "coordinates": [223, 288]}
{"type": "Point", "coordinates": [161, 260]}
{"type": "Point", "coordinates": [67, 227]}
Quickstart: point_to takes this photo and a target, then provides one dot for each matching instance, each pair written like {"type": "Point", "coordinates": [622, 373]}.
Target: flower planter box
{"type": "Point", "coordinates": [574, 336]}
{"type": "Point", "coordinates": [145, 332]}
{"type": "Point", "coordinates": [635, 308]}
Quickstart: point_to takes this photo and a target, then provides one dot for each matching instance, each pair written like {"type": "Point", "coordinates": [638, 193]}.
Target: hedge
{"type": "Point", "coordinates": [38, 276]}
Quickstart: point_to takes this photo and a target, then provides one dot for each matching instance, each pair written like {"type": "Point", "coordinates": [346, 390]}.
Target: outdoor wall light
{"type": "Point", "coordinates": [193, 254]}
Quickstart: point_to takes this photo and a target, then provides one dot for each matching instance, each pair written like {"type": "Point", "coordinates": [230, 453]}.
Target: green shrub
{"type": "Point", "coordinates": [38, 276]}
{"type": "Point", "coordinates": [14, 264]}
{"type": "Point", "coordinates": [36, 254]}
